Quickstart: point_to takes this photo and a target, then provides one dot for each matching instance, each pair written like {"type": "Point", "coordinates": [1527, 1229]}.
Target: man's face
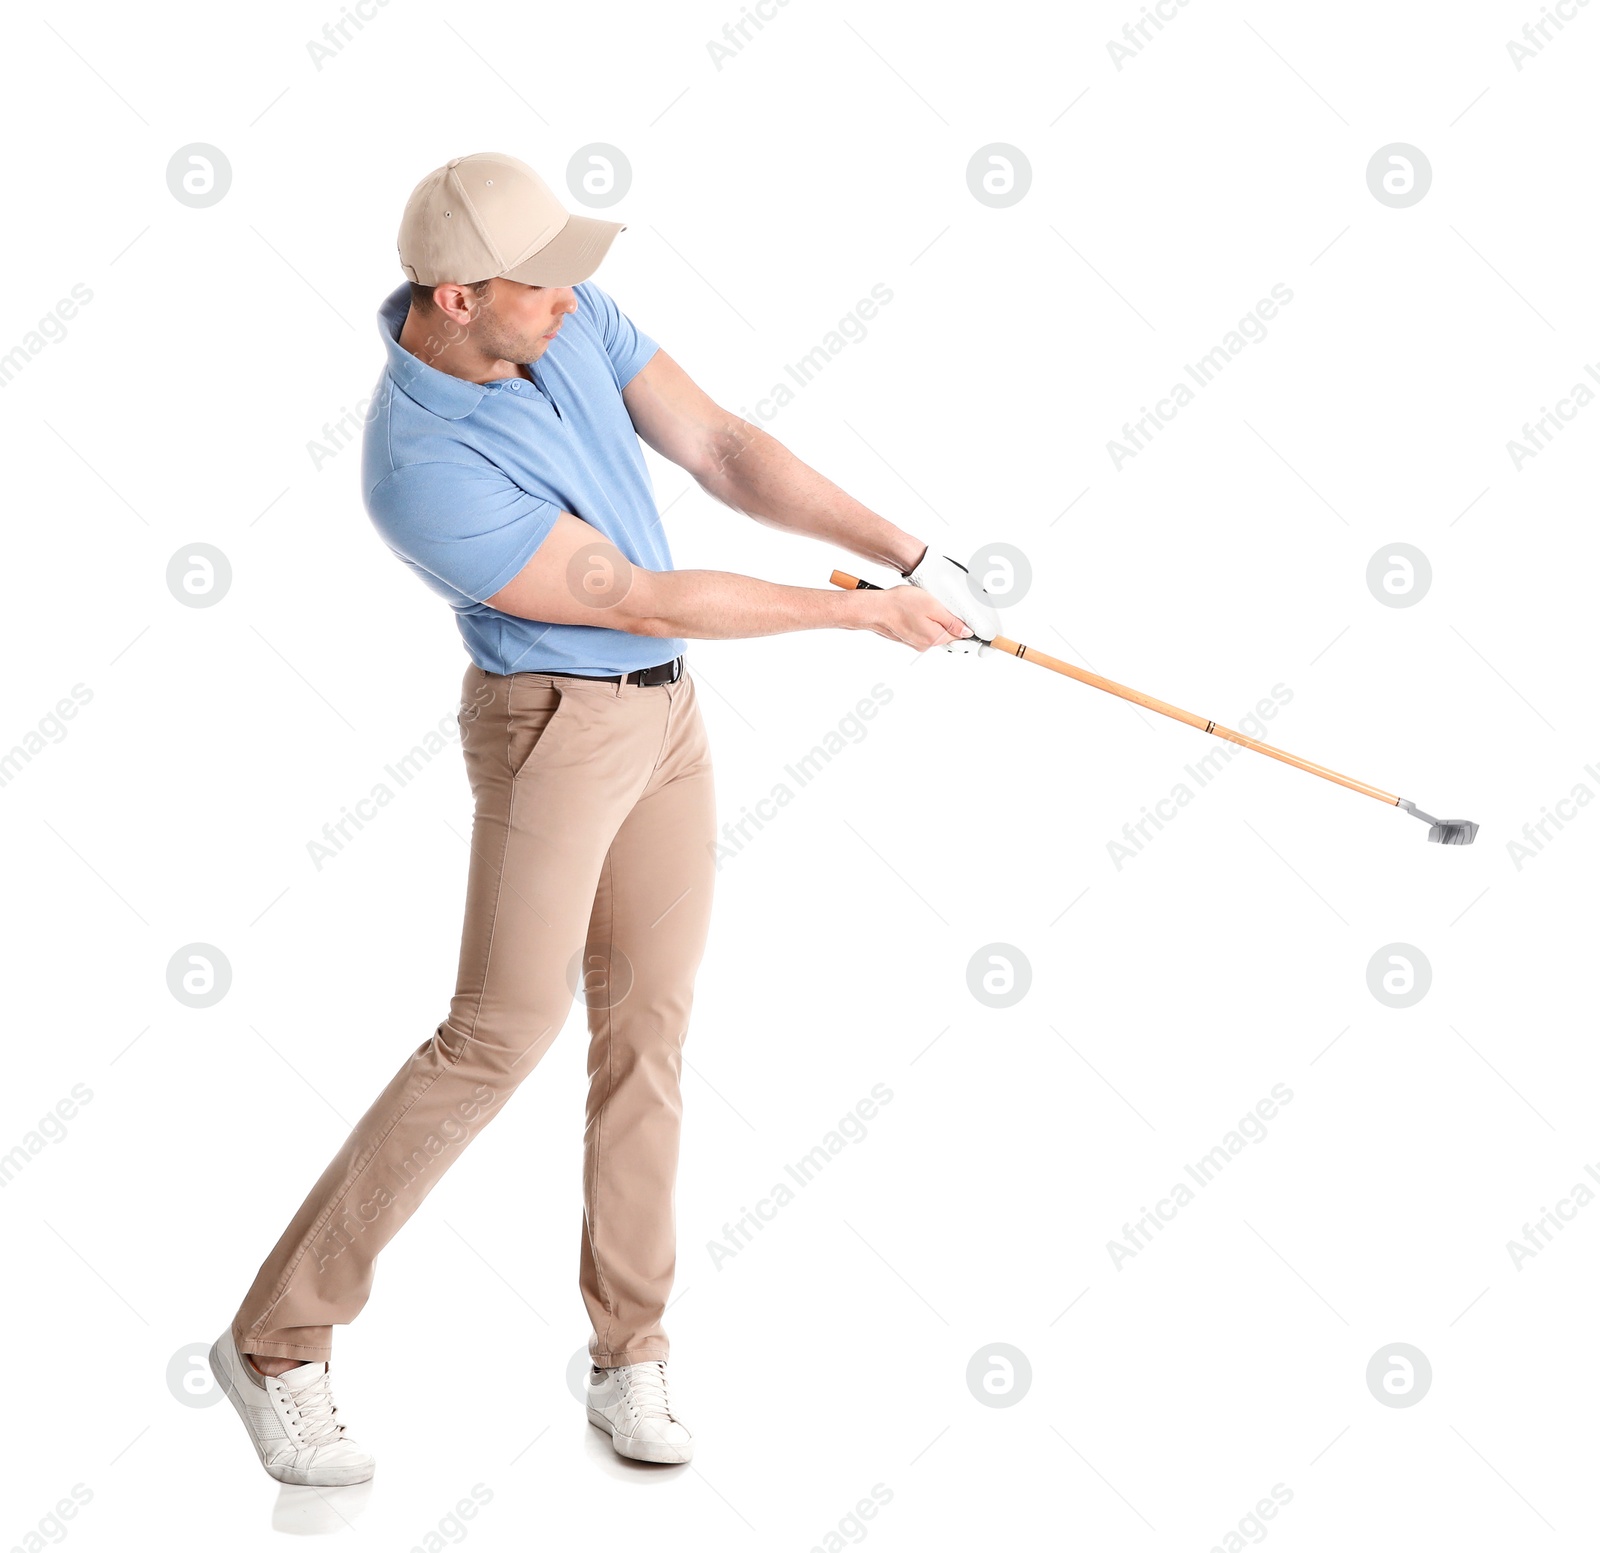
{"type": "Point", "coordinates": [516, 322]}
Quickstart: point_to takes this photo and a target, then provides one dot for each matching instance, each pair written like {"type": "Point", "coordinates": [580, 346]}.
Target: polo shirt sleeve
{"type": "Point", "coordinates": [469, 527]}
{"type": "Point", "coordinates": [628, 346]}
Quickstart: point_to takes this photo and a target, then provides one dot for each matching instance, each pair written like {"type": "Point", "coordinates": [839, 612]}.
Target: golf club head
{"type": "Point", "coordinates": [1450, 833]}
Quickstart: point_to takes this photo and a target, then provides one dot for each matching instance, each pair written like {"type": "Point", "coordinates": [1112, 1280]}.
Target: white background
{"type": "Point", "coordinates": [1168, 996]}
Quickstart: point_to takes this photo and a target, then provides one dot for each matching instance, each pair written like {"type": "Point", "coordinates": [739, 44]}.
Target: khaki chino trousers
{"type": "Point", "coordinates": [590, 877]}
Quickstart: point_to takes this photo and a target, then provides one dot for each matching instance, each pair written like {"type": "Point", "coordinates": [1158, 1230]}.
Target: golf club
{"type": "Point", "coordinates": [1450, 833]}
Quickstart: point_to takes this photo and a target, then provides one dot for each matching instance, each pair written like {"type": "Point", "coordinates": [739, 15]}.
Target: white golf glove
{"type": "Point", "coordinates": [947, 581]}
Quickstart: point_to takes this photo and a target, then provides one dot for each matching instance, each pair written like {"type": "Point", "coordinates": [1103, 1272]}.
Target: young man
{"type": "Point", "coordinates": [502, 464]}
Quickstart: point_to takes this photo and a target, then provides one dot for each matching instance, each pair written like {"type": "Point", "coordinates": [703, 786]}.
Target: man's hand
{"type": "Point", "coordinates": [912, 616]}
{"type": "Point", "coordinates": [948, 581]}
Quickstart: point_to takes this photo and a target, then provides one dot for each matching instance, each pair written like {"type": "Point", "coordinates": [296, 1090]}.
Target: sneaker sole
{"type": "Point", "coordinates": [658, 1452]}
{"type": "Point", "coordinates": [300, 1477]}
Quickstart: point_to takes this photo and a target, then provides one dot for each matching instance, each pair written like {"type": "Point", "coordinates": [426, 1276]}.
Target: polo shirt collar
{"type": "Point", "coordinates": [451, 398]}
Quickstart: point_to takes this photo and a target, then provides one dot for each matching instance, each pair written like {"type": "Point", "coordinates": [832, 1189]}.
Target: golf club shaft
{"type": "Point", "coordinates": [1204, 724]}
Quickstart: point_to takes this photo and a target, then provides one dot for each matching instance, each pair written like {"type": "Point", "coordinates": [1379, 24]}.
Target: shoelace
{"type": "Point", "coordinates": [314, 1403]}
{"type": "Point", "coordinates": [644, 1387]}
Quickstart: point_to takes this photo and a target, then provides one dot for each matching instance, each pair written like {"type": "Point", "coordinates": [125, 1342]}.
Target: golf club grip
{"type": "Point", "coordinates": [1111, 687]}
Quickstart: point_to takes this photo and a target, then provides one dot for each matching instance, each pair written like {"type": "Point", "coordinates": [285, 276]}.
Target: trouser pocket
{"type": "Point", "coordinates": [531, 707]}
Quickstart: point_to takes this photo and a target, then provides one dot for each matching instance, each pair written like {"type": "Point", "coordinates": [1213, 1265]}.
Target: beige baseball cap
{"type": "Point", "coordinates": [488, 215]}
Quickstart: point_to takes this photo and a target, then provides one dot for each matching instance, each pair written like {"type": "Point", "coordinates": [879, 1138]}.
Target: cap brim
{"type": "Point", "coordinates": [572, 255]}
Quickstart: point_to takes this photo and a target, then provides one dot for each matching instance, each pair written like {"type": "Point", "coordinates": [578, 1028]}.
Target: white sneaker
{"type": "Point", "coordinates": [630, 1403]}
{"type": "Point", "coordinates": [291, 1420]}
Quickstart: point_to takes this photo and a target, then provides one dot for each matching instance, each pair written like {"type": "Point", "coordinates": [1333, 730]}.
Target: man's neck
{"type": "Point", "coordinates": [422, 335]}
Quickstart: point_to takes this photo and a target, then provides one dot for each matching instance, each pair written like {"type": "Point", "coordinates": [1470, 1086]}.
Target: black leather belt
{"type": "Point", "coordinates": [660, 674]}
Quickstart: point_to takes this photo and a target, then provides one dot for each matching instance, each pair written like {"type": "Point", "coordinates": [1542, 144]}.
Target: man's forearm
{"type": "Point", "coordinates": [715, 605]}
{"type": "Point", "coordinates": [757, 475]}
{"type": "Point", "coordinates": [578, 577]}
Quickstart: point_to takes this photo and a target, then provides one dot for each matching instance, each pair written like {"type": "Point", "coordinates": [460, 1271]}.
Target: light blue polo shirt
{"type": "Point", "coordinates": [464, 480]}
